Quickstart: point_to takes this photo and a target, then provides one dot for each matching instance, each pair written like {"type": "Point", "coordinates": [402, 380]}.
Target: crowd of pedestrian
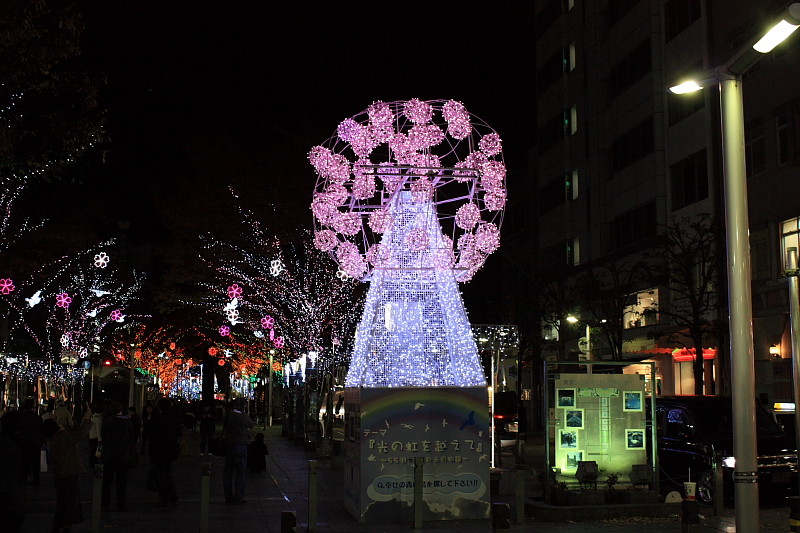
{"type": "Point", "coordinates": [117, 438]}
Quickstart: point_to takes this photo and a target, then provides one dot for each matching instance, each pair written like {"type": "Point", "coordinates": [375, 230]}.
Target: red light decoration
{"type": "Point", "coordinates": [221, 362]}
{"type": "Point", "coordinates": [63, 300]}
{"type": "Point", "coordinates": [172, 346]}
{"type": "Point", "coordinates": [234, 291]}
{"type": "Point", "coordinates": [681, 355]}
{"type": "Point", "coordinates": [6, 286]}
{"type": "Point", "coordinates": [212, 351]}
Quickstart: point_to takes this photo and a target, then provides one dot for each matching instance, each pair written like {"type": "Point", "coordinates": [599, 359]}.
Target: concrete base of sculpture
{"type": "Point", "coordinates": [387, 428]}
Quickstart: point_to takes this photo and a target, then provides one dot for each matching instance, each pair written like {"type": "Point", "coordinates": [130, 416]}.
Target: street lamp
{"type": "Point", "coordinates": [729, 79]}
{"type": "Point", "coordinates": [574, 320]}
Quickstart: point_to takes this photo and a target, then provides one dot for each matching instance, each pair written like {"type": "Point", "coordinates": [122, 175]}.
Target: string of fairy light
{"type": "Point", "coordinates": [265, 290]}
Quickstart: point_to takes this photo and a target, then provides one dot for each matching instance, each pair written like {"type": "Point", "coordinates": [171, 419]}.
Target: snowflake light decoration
{"type": "Point", "coordinates": [101, 260]}
{"type": "Point", "coordinates": [276, 267]}
{"type": "Point", "coordinates": [6, 286]}
{"type": "Point", "coordinates": [434, 151]}
{"type": "Point", "coordinates": [224, 331]}
{"type": "Point", "coordinates": [63, 300]}
{"type": "Point", "coordinates": [234, 291]}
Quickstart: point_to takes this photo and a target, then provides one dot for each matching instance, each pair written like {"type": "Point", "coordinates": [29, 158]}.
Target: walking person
{"type": "Point", "coordinates": [95, 433]}
{"type": "Point", "coordinates": [66, 464]}
{"type": "Point", "coordinates": [207, 428]}
{"type": "Point", "coordinates": [116, 455]}
{"type": "Point", "coordinates": [235, 431]}
{"type": "Point", "coordinates": [136, 432]}
{"type": "Point", "coordinates": [147, 417]}
{"type": "Point", "coordinates": [12, 475]}
{"type": "Point", "coordinates": [163, 436]}
{"type": "Point", "coordinates": [62, 415]}
{"type": "Point", "coordinates": [31, 440]}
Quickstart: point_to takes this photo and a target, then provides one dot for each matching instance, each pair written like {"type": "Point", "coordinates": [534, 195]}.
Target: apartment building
{"type": "Point", "coordinates": [618, 158]}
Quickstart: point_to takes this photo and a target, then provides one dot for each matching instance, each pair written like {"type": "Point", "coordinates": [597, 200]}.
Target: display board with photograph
{"type": "Point", "coordinates": [601, 418]}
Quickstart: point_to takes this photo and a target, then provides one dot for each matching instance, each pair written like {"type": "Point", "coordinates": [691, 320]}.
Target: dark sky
{"type": "Point", "coordinates": [204, 95]}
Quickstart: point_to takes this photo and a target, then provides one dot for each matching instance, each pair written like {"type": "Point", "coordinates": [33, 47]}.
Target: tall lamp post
{"type": "Point", "coordinates": [729, 79]}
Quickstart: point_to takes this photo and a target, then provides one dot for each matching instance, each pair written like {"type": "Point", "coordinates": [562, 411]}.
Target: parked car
{"type": "Point", "coordinates": [506, 418]}
{"type": "Point", "coordinates": [691, 429]}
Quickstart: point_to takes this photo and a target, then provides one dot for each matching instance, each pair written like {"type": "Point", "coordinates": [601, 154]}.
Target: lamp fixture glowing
{"type": "Point", "coordinates": [689, 86]}
{"type": "Point", "coordinates": [572, 319]}
{"type": "Point", "coordinates": [776, 35]}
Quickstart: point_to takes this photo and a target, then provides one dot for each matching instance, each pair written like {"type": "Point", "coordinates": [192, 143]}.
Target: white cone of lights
{"type": "Point", "coordinates": [414, 331]}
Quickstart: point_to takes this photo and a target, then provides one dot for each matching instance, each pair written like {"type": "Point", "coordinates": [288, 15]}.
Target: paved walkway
{"type": "Point", "coordinates": [284, 488]}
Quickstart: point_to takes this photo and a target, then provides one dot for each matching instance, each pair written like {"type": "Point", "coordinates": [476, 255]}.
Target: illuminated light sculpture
{"type": "Point", "coordinates": [440, 180]}
{"type": "Point", "coordinates": [234, 291]}
{"type": "Point", "coordinates": [101, 260]}
{"type": "Point", "coordinates": [63, 300]}
{"type": "Point", "coordinates": [224, 331]}
{"type": "Point", "coordinates": [415, 373]}
{"type": "Point", "coordinates": [6, 286]}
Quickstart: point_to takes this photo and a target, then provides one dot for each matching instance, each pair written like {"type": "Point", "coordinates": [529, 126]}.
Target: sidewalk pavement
{"type": "Point", "coordinates": [285, 488]}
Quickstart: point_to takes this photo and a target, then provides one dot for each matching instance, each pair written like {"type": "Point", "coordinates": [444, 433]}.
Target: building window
{"type": "Point", "coordinates": [547, 16]}
{"type": "Point", "coordinates": [569, 58]}
{"type": "Point", "coordinates": [754, 149]}
{"type": "Point", "coordinates": [782, 138]}
{"type": "Point", "coordinates": [618, 9]}
{"type": "Point", "coordinates": [571, 185]}
{"type": "Point", "coordinates": [642, 309]}
{"type": "Point", "coordinates": [571, 121]}
{"type": "Point", "coordinates": [759, 259]}
{"type": "Point", "coordinates": [635, 225]}
{"type": "Point", "coordinates": [574, 251]}
{"type": "Point", "coordinates": [681, 106]}
{"type": "Point", "coordinates": [689, 178]}
{"type": "Point", "coordinates": [551, 195]}
{"type": "Point", "coordinates": [549, 73]}
{"type": "Point", "coordinates": [632, 145]}
{"type": "Point", "coordinates": [631, 69]}
{"type": "Point", "coordinates": [679, 15]}
{"type": "Point", "coordinates": [551, 133]}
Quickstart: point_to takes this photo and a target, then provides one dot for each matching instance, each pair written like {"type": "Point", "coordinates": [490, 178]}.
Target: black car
{"type": "Point", "coordinates": [691, 429]}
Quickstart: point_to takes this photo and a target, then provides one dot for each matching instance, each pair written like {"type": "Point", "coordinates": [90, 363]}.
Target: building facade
{"type": "Point", "coordinates": [618, 159]}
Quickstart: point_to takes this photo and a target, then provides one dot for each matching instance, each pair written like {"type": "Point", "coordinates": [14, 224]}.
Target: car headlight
{"type": "Point", "coordinates": [729, 462]}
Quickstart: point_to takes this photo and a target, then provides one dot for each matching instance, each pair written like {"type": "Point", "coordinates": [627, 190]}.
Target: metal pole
{"type": "Point", "coordinates": [588, 348]}
{"type": "Point", "coordinates": [491, 400]}
{"type": "Point", "coordinates": [312, 495]}
{"type": "Point", "coordinates": [745, 473]}
{"type": "Point", "coordinates": [205, 494]}
{"type": "Point", "coordinates": [97, 496]}
{"type": "Point", "coordinates": [132, 378]}
{"type": "Point", "coordinates": [269, 392]}
{"type": "Point", "coordinates": [794, 315]}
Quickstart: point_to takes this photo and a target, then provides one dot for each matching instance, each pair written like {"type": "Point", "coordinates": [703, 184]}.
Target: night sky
{"type": "Point", "coordinates": [202, 96]}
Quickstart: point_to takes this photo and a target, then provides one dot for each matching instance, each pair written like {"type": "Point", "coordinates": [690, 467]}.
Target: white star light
{"type": "Point", "coordinates": [276, 267]}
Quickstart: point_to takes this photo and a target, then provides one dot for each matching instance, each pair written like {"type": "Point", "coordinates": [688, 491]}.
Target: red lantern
{"type": "Point", "coordinates": [221, 362]}
{"type": "Point", "coordinates": [212, 351]}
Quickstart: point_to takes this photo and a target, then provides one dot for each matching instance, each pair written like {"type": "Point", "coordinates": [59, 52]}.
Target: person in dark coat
{"type": "Point", "coordinates": [116, 455]}
{"type": "Point", "coordinates": [66, 465]}
{"type": "Point", "coordinates": [12, 475]}
{"type": "Point", "coordinates": [257, 455]}
{"type": "Point", "coordinates": [163, 435]}
{"type": "Point", "coordinates": [30, 440]}
{"type": "Point", "coordinates": [207, 427]}
{"type": "Point", "coordinates": [236, 432]}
